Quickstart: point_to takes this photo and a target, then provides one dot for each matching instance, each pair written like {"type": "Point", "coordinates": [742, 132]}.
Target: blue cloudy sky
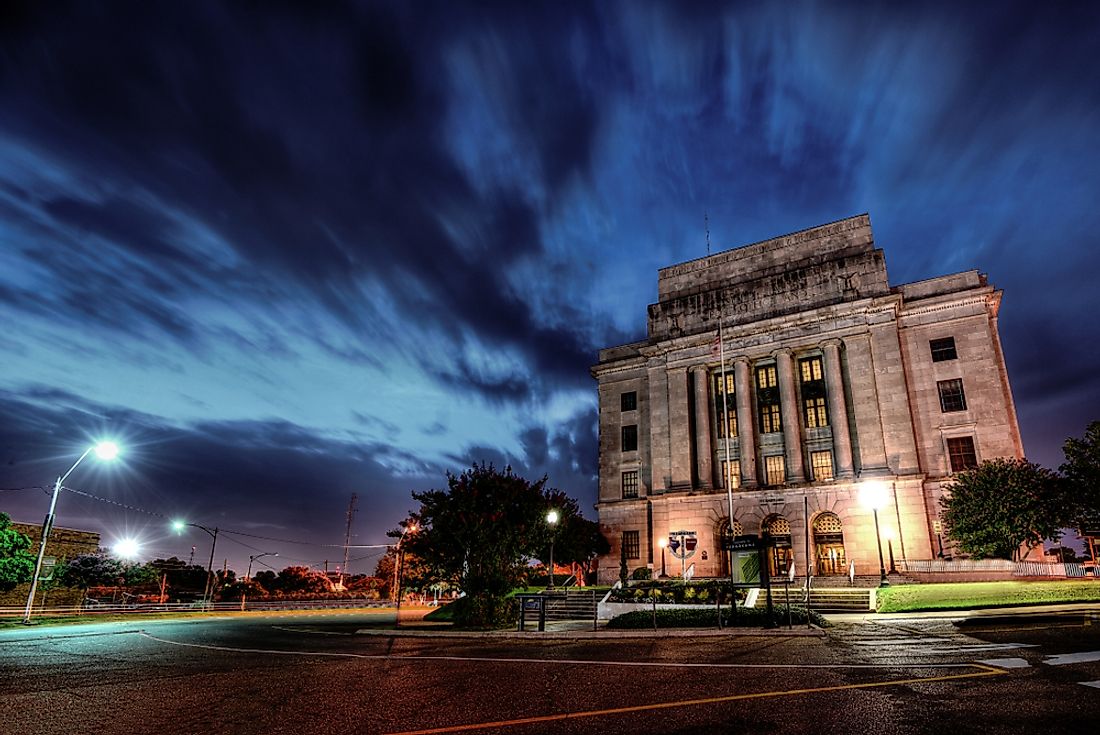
{"type": "Point", "coordinates": [290, 251]}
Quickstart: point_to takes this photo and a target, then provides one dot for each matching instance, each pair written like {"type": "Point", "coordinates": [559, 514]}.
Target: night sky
{"type": "Point", "coordinates": [287, 252]}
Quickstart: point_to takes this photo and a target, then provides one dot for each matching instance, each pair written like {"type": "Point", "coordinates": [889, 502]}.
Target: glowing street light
{"type": "Point", "coordinates": [662, 542]}
{"type": "Point", "coordinates": [127, 548]}
{"type": "Point", "coordinates": [106, 451]}
{"type": "Point", "coordinates": [208, 590]}
{"type": "Point", "coordinates": [875, 496]}
{"type": "Point", "coordinates": [552, 519]}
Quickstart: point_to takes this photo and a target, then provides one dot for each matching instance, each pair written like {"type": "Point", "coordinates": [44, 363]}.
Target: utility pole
{"type": "Point", "coordinates": [347, 537]}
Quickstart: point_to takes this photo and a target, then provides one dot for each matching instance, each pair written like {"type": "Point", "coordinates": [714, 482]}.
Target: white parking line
{"type": "Point", "coordinates": [1072, 658]}
{"type": "Point", "coordinates": [560, 661]}
{"type": "Point", "coordinates": [1094, 684]}
{"type": "Point", "coordinates": [1006, 663]}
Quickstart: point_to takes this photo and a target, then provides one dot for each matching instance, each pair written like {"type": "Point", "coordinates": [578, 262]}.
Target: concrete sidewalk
{"type": "Point", "coordinates": [986, 613]}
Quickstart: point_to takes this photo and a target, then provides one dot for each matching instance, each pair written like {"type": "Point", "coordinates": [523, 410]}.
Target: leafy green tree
{"type": "Point", "coordinates": [16, 560]}
{"type": "Point", "coordinates": [576, 539]}
{"type": "Point", "coordinates": [1082, 472]}
{"type": "Point", "coordinates": [93, 570]}
{"type": "Point", "coordinates": [1003, 505]}
{"type": "Point", "coordinates": [301, 580]}
{"type": "Point", "coordinates": [478, 535]}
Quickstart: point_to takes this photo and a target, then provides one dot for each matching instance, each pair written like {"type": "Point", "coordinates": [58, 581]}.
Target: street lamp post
{"type": "Point", "coordinates": [397, 555]}
{"type": "Point", "coordinates": [888, 532]}
{"type": "Point", "coordinates": [254, 557]}
{"type": "Point", "coordinates": [662, 542]}
{"type": "Point", "coordinates": [874, 496]}
{"type": "Point", "coordinates": [248, 574]}
{"type": "Point", "coordinates": [552, 520]}
{"type": "Point", "coordinates": [208, 590]}
{"type": "Point", "coordinates": [103, 450]}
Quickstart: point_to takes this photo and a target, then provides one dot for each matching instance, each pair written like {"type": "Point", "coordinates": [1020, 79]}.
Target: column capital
{"type": "Point", "coordinates": [832, 342]}
{"type": "Point", "coordinates": [741, 360]}
{"type": "Point", "coordinates": [785, 351]}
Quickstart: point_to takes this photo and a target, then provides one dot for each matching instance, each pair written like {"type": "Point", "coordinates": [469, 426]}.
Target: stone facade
{"type": "Point", "coordinates": [832, 380]}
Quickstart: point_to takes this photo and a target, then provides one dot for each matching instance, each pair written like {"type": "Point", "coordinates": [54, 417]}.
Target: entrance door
{"type": "Point", "coordinates": [782, 555]}
{"type": "Point", "coordinates": [829, 545]}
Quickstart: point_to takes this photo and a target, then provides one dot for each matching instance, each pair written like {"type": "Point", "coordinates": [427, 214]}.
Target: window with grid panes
{"type": "Point", "coordinates": [630, 484]}
{"type": "Point", "coordinates": [732, 470]}
{"type": "Point", "coordinates": [630, 438]}
{"type": "Point", "coordinates": [813, 393]}
{"type": "Point", "coordinates": [952, 397]}
{"type": "Point", "coordinates": [943, 349]}
{"type": "Point", "coordinates": [960, 451]}
{"type": "Point", "coordinates": [767, 398]}
{"type": "Point", "coordinates": [725, 405]}
{"type": "Point", "coordinates": [822, 464]}
{"type": "Point", "coordinates": [632, 544]}
{"type": "Point", "coordinates": [775, 469]}
{"type": "Point", "coordinates": [628, 401]}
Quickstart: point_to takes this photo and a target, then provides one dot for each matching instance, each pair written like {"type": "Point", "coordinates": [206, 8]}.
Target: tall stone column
{"type": "Point", "coordinates": [703, 454]}
{"type": "Point", "coordinates": [678, 428]}
{"type": "Point", "coordinates": [838, 409]}
{"type": "Point", "coordinates": [788, 397]}
{"type": "Point", "coordinates": [746, 427]}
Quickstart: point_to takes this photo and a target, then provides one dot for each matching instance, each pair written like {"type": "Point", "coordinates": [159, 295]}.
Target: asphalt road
{"type": "Point", "coordinates": [324, 673]}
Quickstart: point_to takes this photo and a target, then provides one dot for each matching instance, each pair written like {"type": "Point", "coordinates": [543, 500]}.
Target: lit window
{"type": "Point", "coordinates": [629, 401]}
{"type": "Point", "coordinates": [951, 395]}
{"type": "Point", "coordinates": [767, 399]}
{"type": "Point", "coordinates": [630, 438]}
{"type": "Point", "coordinates": [961, 452]}
{"type": "Point", "coordinates": [725, 413]}
{"type": "Point", "coordinates": [732, 470]}
{"type": "Point", "coordinates": [813, 393]}
{"type": "Point", "coordinates": [822, 464]}
{"type": "Point", "coordinates": [632, 544]}
{"type": "Point", "coordinates": [943, 349]}
{"type": "Point", "coordinates": [776, 469]}
{"type": "Point", "coordinates": [630, 484]}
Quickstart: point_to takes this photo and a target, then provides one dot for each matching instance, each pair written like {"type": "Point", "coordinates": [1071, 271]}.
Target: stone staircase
{"type": "Point", "coordinates": [571, 604]}
{"type": "Point", "coordinates": [825, 599]}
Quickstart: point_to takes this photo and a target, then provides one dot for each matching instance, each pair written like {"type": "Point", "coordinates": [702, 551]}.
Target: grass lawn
{"type": "Point", "coordinates": [966, 595]}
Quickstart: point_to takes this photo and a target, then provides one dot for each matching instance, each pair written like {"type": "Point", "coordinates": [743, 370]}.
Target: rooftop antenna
{"type": "Point", "coordinates": [347, 537]}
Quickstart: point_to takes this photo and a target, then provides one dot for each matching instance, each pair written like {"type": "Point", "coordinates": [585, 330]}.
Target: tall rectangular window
{"type": "Point", "coordinates": [632, 544]}
{"type": "Point", "coordinates": [961, 452]}
{"type": "Point", "coordinates": [813, 393]}
{"type": "Point", "coordinates": [630, 438]}
{"type": "Point", "coordinates": [952, 397]}
{"type": "Point", "coordinates": [767, 399]}
{"type": "Point", "coordinates": [732, 470]}
{"type": "Point", "coordinates": [629, 401]}
{"type": "Point", "coordinates": [725, 405]}
{"type": "Point", "coordinates": [943, 349]}
{"type": "Point", "coordinates": [775, 468]}
{"type": "Point", "coordinates": [822, 464]}
{"type": "Point", "coordinates": [630, 484]}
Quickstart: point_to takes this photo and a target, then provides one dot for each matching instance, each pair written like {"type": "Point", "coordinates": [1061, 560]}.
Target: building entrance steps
{"type": "Point", "coordinates": [828, 599]}
{"type": "Point", "coordinates": [571, 604]}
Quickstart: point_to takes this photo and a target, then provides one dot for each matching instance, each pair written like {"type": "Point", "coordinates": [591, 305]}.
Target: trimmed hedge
{"type": "Point", "coordinates": [692, 593]}
{"type": "Point", "coordinates": [707, 618]}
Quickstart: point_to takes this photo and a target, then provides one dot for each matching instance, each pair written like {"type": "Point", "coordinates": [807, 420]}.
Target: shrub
{"type": "Point", "coordinates": [641, 573]}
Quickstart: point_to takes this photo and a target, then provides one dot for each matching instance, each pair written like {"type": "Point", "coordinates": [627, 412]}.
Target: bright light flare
{"type": "Point", "coordinates": [106, 450]}
{"type": "Point", "coordinates": [552, 517]}
{"type": "Point", "coordinates": [127, 548]}
{"type": "Point", "coordinates": [875, 494]}
{"type": "Point", "coordinates": [662, 542]}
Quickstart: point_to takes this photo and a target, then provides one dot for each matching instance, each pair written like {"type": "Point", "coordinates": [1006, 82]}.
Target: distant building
{"type": "Point", "coordinates": [64, 543]}
{"type": "Point", "coordinates": [833, 379]}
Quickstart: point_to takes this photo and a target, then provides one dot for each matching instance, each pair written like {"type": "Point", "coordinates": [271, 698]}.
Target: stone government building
{"type": "Point", "coordinates": [834, 379]}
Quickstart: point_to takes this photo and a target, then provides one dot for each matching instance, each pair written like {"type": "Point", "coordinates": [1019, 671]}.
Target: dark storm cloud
{"type": "Point", "coordinates": [317, 152]}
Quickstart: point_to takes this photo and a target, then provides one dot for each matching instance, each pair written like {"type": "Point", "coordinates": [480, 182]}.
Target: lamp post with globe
{"type": "Point", "coordinates": [105, 451]}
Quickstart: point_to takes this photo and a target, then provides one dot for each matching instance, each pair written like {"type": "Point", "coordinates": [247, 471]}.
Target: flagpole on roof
{"type": "Point", "coordinates": [727, 474]}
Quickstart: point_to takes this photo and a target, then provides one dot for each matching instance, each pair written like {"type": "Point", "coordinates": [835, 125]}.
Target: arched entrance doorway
{"type": "Point", "coordinates": [829, 545]}
{"type": "Point", "coordinates": [782, 555]}
{"type": "Point", "coordinates": [724, 531]}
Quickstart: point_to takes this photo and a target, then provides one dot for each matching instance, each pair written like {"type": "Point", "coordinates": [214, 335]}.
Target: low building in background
{"type": "Point", "coordinates": [834, 381]}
